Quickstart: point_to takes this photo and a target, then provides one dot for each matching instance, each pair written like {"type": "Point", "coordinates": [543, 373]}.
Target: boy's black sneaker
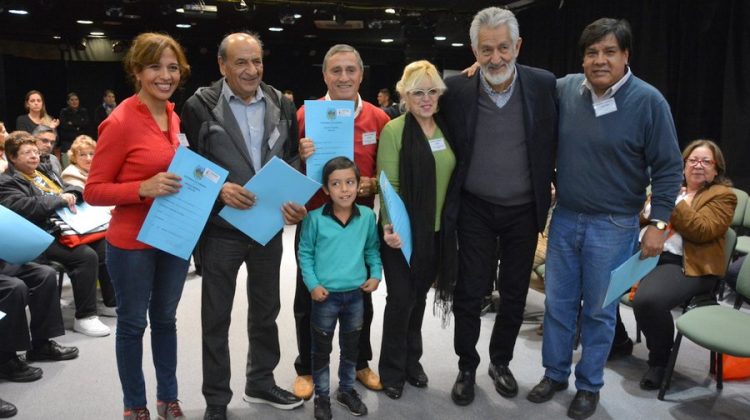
{"type": "Point", "coordinates": [322, 408]}
{"type": "Point", "coordinates": [350, 399]}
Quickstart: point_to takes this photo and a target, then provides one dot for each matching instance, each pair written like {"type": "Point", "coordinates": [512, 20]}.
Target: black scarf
{"type": "Point", "coordinates": [417, 181]}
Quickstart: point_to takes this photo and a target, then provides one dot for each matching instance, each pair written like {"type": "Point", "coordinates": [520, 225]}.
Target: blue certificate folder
{"type": "Point", "coordinates": [20, 240]}
{"type": "Point", "coordinates": [330, 125]}
{"type": "Point", "coordinates": [275, 184]}
{"type": "Point", "coordinates": [175, 221]}
{"type": "Point", "coordinates": [86, 218]}
{"type": "Point", "coordinates": [625, 276]}
{"type": "Point", "coordinates": [397, 214]}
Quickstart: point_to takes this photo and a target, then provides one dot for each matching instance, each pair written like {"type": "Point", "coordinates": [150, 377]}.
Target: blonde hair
{"type": "Point", "coordinates": [43, 115]}
{"type": "Point", "coordinates": [146, 49]}
{"type": "Point", "coordinates": [414, 73]}
{"type": "Point", "coordinates": [81, 142]}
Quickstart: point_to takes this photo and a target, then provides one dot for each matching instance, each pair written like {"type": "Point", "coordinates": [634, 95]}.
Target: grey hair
{"type": "Point", "coordinates": [492, 17]}
{"type": "Point", "coordinates": [225, 42]}
{"type": "Point", "coordinates": [41, 129]}
{"type": "Point", "coordinates": [341, 48]}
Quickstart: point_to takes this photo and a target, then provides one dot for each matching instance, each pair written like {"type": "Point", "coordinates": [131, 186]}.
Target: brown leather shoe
{"type": "Point", "coordinates": [303, 387]}
{"type": "Point", "coordinates": [369, 379]}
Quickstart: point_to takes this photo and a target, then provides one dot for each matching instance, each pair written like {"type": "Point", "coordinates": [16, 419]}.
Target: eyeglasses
{"type": "Point", "coordinates": [86, 154]}
{"type": "Point", "coordinates": [30, 152]}
{"type": "Point", "coordinates": [705, 162]}
{"type": "Point", "coordinates": [420, 93]}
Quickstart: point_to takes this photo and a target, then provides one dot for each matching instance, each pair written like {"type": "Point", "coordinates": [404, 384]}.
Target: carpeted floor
{"type": "Point", "coordinates": [88, 387]}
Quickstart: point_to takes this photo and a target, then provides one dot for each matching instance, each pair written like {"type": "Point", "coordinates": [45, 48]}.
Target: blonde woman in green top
{"type": "Point", "coordinates": [417, 158]}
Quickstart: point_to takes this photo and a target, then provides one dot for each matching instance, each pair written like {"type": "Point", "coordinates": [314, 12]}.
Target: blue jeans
{"type": "Point", "coordinates": [348, 309]}
{"type": "Point", "coordinates": [582, 250]}
{"type": "Point", "coordinates": [147, 280]}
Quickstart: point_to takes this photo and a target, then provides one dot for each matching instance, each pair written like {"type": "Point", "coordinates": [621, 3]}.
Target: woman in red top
{"type": "Point", "coordinates": [136, 144]}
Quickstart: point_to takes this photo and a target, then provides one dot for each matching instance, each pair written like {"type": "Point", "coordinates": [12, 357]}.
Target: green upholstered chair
{"type": "Point", "coordinates": [718, 328]}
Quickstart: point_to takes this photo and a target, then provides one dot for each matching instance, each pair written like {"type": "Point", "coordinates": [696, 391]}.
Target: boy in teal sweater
{"type": "Point", "coordinates": [339, 258]}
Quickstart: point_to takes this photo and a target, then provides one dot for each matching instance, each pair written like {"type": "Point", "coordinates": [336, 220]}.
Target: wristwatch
{"type": "Point", "coordinates": [659, 224]}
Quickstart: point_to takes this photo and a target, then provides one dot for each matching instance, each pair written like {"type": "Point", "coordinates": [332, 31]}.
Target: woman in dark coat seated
{"type": "Point", "coordinates": [693, 254]}
{"type": "Point", "coordinates": [31, 194]}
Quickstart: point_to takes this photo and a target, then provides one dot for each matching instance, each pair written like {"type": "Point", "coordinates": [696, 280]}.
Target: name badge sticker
{"type": "Point", "coordinates": [182, 138]}
{"type": "Point", "coordinates": [344, 112]}
{"type": "Point", "coordinates": [369, 138]}
{"type": "Point", "coordinates": [211, 175]}
{"type": "Point", "coordinates": [437, 144]}
{"type": "Point", "coordinates": [605, 107]}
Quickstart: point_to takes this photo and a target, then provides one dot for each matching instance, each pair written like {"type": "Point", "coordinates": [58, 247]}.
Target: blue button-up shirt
{"type": "Point", "coordinates": [251, 119]}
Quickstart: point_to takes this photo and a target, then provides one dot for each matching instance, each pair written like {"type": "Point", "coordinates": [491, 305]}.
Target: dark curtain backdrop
{"type": "Point", "coordinates": [696, 52]}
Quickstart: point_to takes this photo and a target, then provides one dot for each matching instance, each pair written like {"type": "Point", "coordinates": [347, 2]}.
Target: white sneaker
{"type": "Point", "coordinates": [108, 311]}
{"type": "Point", "coordinates": [91, 326]}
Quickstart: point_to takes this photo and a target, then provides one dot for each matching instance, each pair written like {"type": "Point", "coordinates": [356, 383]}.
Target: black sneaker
{"type": "Point", "coordinates": [215, 412]}
{"type": "Point", "coordinates": [51, 350]}
{"type": "Point", "coordinates": [275, 397]}
{"type": "Point", "coordinates": [322, 408]}
{"type": "Point", "coordinates": [350, 399]}
{"type": "Point", "coordinates": [16, 370]}
{"type": "Point", "coordinates": [7, 409]}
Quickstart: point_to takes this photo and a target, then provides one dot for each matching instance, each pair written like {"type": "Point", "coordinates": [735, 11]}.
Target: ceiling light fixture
{"type": "Point", "coordinates": [457, 44]}
{"type": "Point", "coordinates": [440, 38]}
{"type": "Point", "coordinates": [56, 37]}
{"type": "Point", "coordinates": [390, 11]}
{"type": "Point", "coordinates": [84, 22]}
{"type": "Point", "coordinates": [184, 25]}
{"type": "Point", "coordinates": [96, 33]}
{"type": "Point", "coordinates": [18, 12]}
{"type": "Point", "coordinates": [386, 40]}
{"type": "Point", "coordinates": [275, 29]}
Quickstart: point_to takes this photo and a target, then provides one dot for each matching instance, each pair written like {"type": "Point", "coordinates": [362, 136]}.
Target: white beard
{"type": "Point", "coordinates": [496, 79]}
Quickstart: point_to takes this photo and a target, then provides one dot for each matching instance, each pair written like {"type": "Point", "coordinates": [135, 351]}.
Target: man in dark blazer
{"type": "Point", "coordinates": [503, 121]}
{"type": "Point", "coordinates": [240, 123]}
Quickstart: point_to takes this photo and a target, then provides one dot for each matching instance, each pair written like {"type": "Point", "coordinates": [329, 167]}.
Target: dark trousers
{"type": "Point", "coordinates": [84, 264]}
{"type": "Point", "coordinates": [482, 226]}
{"type": "Point", "coordinates": [34, 285]}
{"type": "Point", "coordinates": [401, 348]}
{"type": "Point", "coordinates": [222, 253]}
{"type": "Point", "coordinates": [661, 290]}
{"type": "Point", "coordinates": [302, 309]}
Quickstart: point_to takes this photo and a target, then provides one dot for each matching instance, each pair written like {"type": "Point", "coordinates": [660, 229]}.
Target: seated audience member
{"type": "Point", "coordinates": [81, 154]}
{"type": "Point", "coordinates": [33, 195]}
{"type": "Point", "coordinates": [34, 103]}
{"type": "Point", "coordinates": [34, 285]}
{"type": "Point", "coordinates": [3, 136]}
{"type": "Point", "coordinates": [74, 121]}
{"type": "Point", "coordinates": [693, 254]}
{"type": "Point", "coordinates": [49, 164]}
{"type": "Point", "coordinates": [102, 111]}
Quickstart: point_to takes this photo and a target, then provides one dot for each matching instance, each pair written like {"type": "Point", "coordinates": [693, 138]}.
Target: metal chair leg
{"type": "Point", "coordinates": [665, 382]}
{"type": "Point", "coordinates": [719, 371]}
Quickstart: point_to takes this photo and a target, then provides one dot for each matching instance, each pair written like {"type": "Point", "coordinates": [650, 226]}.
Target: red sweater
{"type": "Point", "coordinates": [131, 149]}
{"type": "Point", "coordinates": [370, 120]}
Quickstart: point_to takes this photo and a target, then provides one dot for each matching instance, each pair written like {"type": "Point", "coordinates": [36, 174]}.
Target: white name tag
{"type": "Point", "coordinates": [437, 144]}
{"type": "Point", "coordinates": [344, 112]}
{"type": "Point", "coordinates": [369, 138]}
{"type": "Point", "coordinates": [182, 138]}
{"type": "Point", "coordinates": [605, 107]}
{"type": "Point", "coordinates": [274, 136]}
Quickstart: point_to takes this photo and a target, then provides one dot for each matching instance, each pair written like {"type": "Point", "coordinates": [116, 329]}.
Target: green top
{"type": "Point", "coordinates": [389, 151]}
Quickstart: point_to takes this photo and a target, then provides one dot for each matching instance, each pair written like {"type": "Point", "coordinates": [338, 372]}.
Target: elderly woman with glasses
{"type": "Point", "coordinates": [81, 154]}
{"type": "Point", "coordinates": [32, 194]}
{"type": "Point", "coordinates": [417, 158]}
{"type": "Point", "coordinates": [693, 254]}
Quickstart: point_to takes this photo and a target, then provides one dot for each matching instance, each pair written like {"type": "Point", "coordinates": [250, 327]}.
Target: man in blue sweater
{"type": "Point", "coordinates": [616, 136]}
